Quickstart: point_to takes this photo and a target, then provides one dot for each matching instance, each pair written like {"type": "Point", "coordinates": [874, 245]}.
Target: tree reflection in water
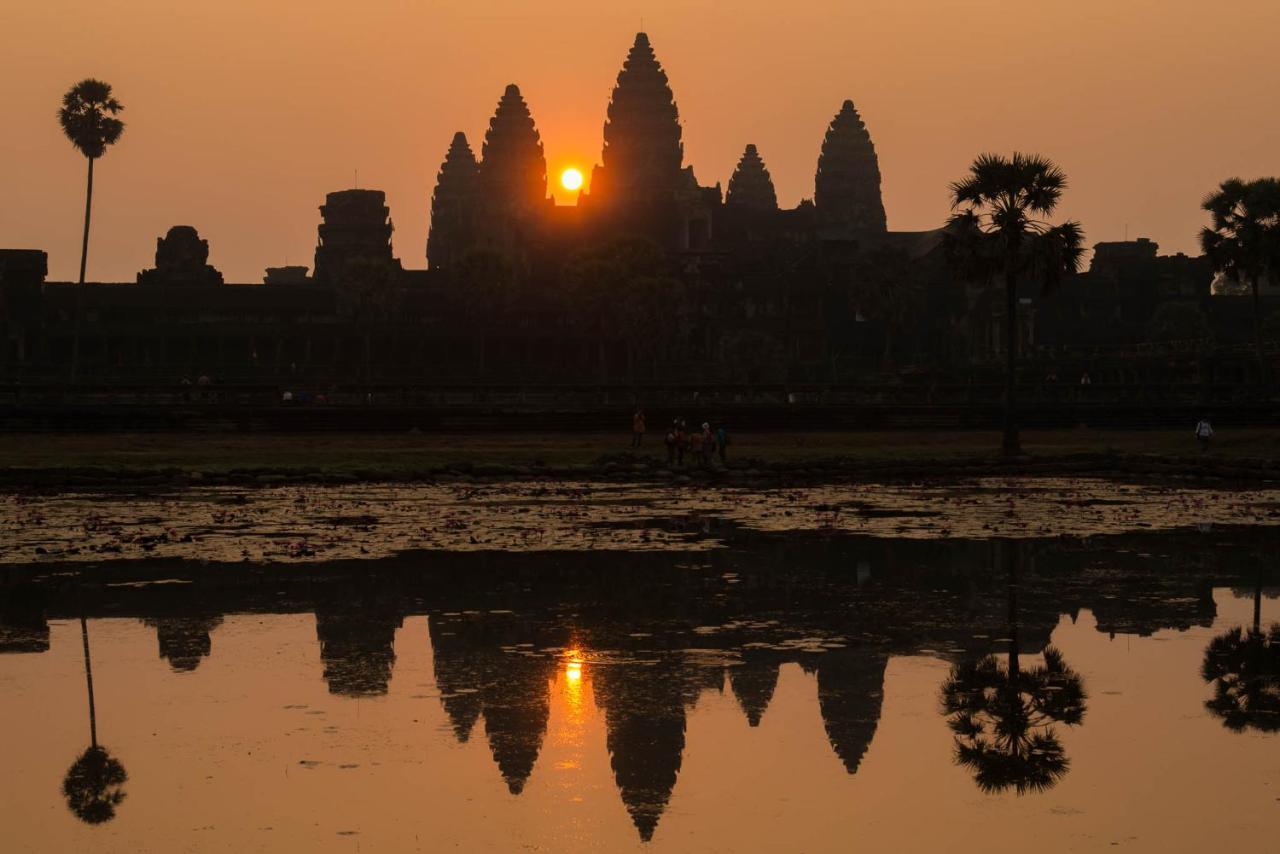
{"type": "Point", "coordinates": [1003, 717]}
{"type": "Point", "coordinates": [1243, 665]}
{"type": "Point", "coordinates": [94, 785]}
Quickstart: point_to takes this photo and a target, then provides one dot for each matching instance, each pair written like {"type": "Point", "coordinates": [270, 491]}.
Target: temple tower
{"type": "Point", "coordinates": [751, 187]}
{"type": "Point", "coordinates": [513, 171]}
{"type": "Point", "coordinates": [453, 205]}
{"type": "Point", "coordinates": [847, 186]}
{"type": "Point", "coordinates": [642, 148]}
{"type": "Point", "coordinates": [182, 258]}
{"type": "Point", "coordinates": [355, 226]}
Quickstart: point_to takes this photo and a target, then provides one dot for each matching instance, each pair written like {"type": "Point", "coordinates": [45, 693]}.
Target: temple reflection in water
{"type": "Point", "coordinates": [646, 636]}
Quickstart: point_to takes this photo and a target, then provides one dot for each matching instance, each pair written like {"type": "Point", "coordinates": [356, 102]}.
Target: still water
{"type": "Point", "coordinates": [783, 692]}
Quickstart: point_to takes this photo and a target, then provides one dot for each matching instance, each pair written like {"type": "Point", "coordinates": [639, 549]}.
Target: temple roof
{"type": "Point", "coordinates": [642, 133]}
{"type": "Point", "coordinates": [513, 168]}
{"type": "Point", "coordinates": [847, 185]}
{"type": "Point", "coordinates": [459, 169]}
{"type": "Point", "coordinates": [751, 187]}
{"type": "Point", "coordinates": [452, 204]}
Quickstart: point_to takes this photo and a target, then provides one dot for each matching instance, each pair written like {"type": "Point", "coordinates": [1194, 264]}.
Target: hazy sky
{"type": "Point", "coordinates": [242, 114]}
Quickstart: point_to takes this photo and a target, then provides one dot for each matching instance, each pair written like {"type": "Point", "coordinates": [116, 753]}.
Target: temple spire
{"type": "Point", "coordinates": [513, 169]}
{"type": "Point", "coordinates": [642, 147]}
{"type": "Point", "coordinates": [847, 186]}
{"type": "Point", "coordinates": [751, 187]}
{"type": "Point", "coordinates": [453, 205]}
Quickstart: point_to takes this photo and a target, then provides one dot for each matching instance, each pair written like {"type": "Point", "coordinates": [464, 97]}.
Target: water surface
{"type": "Point", "coordinates": [783, 691]}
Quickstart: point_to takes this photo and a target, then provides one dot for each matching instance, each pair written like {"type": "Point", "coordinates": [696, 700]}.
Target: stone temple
{"type": "Point", "coordinates": [519, 289]}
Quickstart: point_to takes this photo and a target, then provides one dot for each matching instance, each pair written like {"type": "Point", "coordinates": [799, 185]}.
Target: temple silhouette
{"type": "Point", "coordinates": [648, 275]}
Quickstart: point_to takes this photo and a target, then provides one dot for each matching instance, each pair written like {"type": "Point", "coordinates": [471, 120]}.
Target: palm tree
{"type": "Point", "coordinates": [88, 118]}
{"type": "Point", "coordinates": [1003, 717]}
{"type": "Point", "coordinates": [1243, 242]}
{"type": "Point", "coordinates": [94, 785]}
{"type": "Point", "coordinates": [1244, 669]}
{"type": "Point", "coordinates": [998, 208]}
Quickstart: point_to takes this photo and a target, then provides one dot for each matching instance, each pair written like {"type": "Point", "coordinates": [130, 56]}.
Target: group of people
{"type": "Point", "coordinates": [702, 444]}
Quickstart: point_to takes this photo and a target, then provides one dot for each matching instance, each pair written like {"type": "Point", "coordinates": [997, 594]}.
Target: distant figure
{"type": "Point", "coordinates": [708, 443]}
{"type": "Point", "coordinates": [671, 443]}
{"type": "Point", "coordinates": [722, 442]}
{"type": "Point", "coordinates": [637, 428]}
{"type": "Point", "coordinates": [1204, 432]}
{"type": "Point", "coordinates": [682, 442]}
{"type": "Point", "coordinates": [695, 446]}
{"type": "Point", "coordinates": [1085, 379]}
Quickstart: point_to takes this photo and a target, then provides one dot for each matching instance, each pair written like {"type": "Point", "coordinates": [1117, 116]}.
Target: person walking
{"type": "Point", "coordinates": [670, 440]}
{"type": "Point", "coordinates": [722, 442]}
{"type": "Point", "coordinates": [637, 428]}
{"type": "Point", "coordinates": [1204, 432]}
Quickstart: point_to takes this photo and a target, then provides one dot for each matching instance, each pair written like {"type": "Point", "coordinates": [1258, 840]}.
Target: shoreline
{"type": "Point", "coordinates": [625, 468]}
{"type": "Point", "coordinates": [757, 459]}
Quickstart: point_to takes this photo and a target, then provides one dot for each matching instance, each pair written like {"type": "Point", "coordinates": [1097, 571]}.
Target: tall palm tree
{"type": "Point", "coordinates": [1243, 242]}
{"type": "Point", "coordinates": [94, 784]}
{"type": "Point", "coordinates": [88, 118]}
{"type": "Point", "coordinates": [1243, 665]}
{"type": "Point", "coordinates": [1003, 717]}
{"type": "Point", "coordinates": [1000, 209]}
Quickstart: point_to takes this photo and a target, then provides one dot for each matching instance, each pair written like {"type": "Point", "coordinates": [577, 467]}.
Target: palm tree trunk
{"type": "Point", "coordinates": [1257, 604]}
{"type": "Point", "coordinates": [88, 208]}
{"type": "Point", "coordinates": [84, 257]}
{"type": "Point", "coordinates": [1010, 444]}
{"type": "Point", "coordinates": [1257, 334]}
{"type": "Point", "coordinates": [1011, 566]}
{"type": "Point", "coordinates": [88, 677]}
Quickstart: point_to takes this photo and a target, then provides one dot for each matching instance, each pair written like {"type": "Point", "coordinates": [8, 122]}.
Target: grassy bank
{"type": "Point", "coordinates": [374, 454]}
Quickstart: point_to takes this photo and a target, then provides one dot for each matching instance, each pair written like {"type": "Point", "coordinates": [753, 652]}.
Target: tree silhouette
{"type": "Point", "coordinates": [367, 292]}
{"type": "Point", "coordinates": [1003, 717]}
{"type": "Point", "coordinates": [1243, 241]}
{"type": "Point", "coordinates": [88, 118]}
{"type": "Point", "coordinates": [94, 784]}
{"type": "Point", "coordinates": [619, 291]}
{"type": "Point", "coordinates": [486, 282]}
{"type": "Point", "coordinates": [998, 204]}
{"type": "Point", "coordinates": [885, 289]}
{"type": "Point", "coordinates": [1243, 666]}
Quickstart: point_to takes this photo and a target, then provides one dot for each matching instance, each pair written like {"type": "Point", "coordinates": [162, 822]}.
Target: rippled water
{"type": "Point", "coordinates": [754, 689]}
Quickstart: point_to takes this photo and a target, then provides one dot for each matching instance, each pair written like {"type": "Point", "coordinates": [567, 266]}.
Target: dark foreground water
{"type": "Point", "coordinates": [785, 691]}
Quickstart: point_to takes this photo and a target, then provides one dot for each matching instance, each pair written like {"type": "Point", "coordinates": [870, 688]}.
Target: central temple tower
{"type": "Point", "coordinates": [642, 149]}
{"type": "Point", "coordinates": [641, 185]}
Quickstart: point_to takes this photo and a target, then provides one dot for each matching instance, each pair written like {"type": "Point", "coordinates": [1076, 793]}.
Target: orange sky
{"type": "Point", "coordinates": [243, 113]}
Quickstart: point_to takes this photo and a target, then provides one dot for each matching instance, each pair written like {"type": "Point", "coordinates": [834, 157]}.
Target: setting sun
{"type": "Point", "coordinates": [571, 179]}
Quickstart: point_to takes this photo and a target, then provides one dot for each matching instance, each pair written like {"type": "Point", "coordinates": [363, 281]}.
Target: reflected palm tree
{"type": "Point", "coordinates": [94, 785]}
{"type": "Point", "coordinates": [1244, 667]}
{"type": "Point", "coordinates": [1003, 717]}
